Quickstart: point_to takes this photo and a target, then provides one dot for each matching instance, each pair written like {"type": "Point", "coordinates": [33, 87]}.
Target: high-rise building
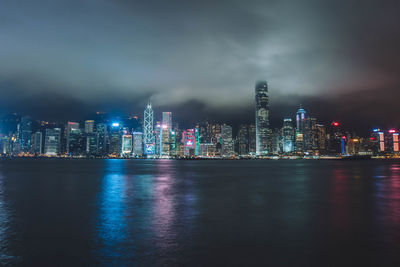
{"type": "Point", "coordinates": [52, 142]}
{"type": "Point", "coordinates": [148, 128]}
{"type": "Point", "coordinates": [89, 126]}
{"type": "Point", "coordinates": [189, 142]}
{"type": "Point", "coordinates": [71, 131]}
{"type": "Point", "coordinates": [25, 134]}
{"type": "Point", "coordinates": [300, 120]}
{"type": "Point", "coordinates": [252, 139]}
{"type": "Point", "coordinates": [167, 119]}
{"type": "Point", "coordinates": [288, 136]}
{"type": "Point", "coordinates": [243, 140]}
{"type": "Point", "coordinates": [227, 142]}
{"type": "Point", "coordinates": [137, 149]}
{"type": "Point", "coordinates": [127, 145]}
{"type": "Point", "coordinates": [92, 143]}
{"type": "Point", "coordinates": [101, 139]}
{"type": "Point", "coordinates": [36, 147]}
{"type": "Point", "coordinates": [262, 117]}
{"type": "Point", "coordinates": [115, 139]}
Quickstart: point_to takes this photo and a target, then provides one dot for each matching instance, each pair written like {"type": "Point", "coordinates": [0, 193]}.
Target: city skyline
{"type": "Point", "coordinates": [320, 55]}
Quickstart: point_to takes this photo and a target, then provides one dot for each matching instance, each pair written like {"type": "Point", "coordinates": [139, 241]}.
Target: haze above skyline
{"type": "Point", "coordinates": [339, 58]}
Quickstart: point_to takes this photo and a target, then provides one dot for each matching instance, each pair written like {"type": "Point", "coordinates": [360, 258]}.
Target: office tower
{"type": "Point", "coordinates": [115, 139]}
{"type": "Point", "coordinates": [243, 140]}
{"type": "Point", "coordinates": [52, 142]}
{"type": "Point", "coordinates": [392, 141]}
{"type": "Point", "coordinates": [36, 146]}
{"type": "Point", "coordinates": [137, 149]}
{"type": "Point", "coordinates": [252, 139]}
{"type": "Point", "coordinates": [300, 120]}
{"type": "Point", "coordinates": [288, 136]}
{"type": "Point", "coordinates": [334, 137]}
{"type": "Point", "coordinates": [167, 119]}
{"type": "Point", "coordinates": [148, 135]}
{"type": "Point", "coordinates": [127, 145]}
{"type": "Point", "coordinates": [321, 136]}
{"type": "Point", "coordinates": [71, 128]}
{"type": "Point", "coordinates": [165, 140]}
{"type": "Point", "coordinates": [92, 144]}
{"type": "Point", "coordinates": [215, 133]}
{"type": "Point", "coordinates": [172, 149]}
{"type": "Point", "coordinates": [227, 142]}
{"type": "Point", "coordinates": [310, 134]}
{"type": "Point", "coordinates": [189, 142]}
{"type": "Point", "coordinates": [262, 117]}
{"type": "Point", "coordinates": [76, 143]}
{"type": "Point", "coordinates": [276, 140]}
{"type": "Point", "coordinates": [25, 132]}
{"type": "Point", "coordinates": [207, 150]}
{"type": "Point", "coordinates": [101, 130]}
{"type": "Point", "coordinates": [89, 126]}
{"type": "Point", "coordinates": [5, 145]}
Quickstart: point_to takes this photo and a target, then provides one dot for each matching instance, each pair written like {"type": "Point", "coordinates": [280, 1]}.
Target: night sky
{"type": "Point", "coordinates": [200, 59]}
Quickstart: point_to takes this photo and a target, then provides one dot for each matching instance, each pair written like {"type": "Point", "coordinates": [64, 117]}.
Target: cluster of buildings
{"type": "Point", "coordinates": [297, 137]}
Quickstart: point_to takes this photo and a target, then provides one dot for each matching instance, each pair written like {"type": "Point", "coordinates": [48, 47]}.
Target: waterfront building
{"type": "Point", "coordinates": [89, 126]}
{"type": "Point", "coordinates": [71, 131]}
{"type": "Point", "coordinates": [137, 149]}
{"type": "Point", "coordinates": [189, 143]}
{"type": "Point", "coordinates": [37, 146]}
{"type": "Point", "coordinates": [102, 137]}
{"type": "Point", "coordinates": [148, 128]}
{"type": "Point", "coordinates": [115, 139]}
{"type": "Point", "coordinates": [92, 142]}
{"type": "Point", "coordinates": [243, 140]}
{"type": "Point", "coordinates": [167, 119]}
{"type": "Point", "coordinates": [207, 150]}
{"type": "Point", "coordinates": [262, 117]}
{"type": "Point", "coordinates": [252, 139]}
{"type": "Point", "coordinates": [25, 133]}
{"type": "Point", "coordinates": [127, 145]}
{"type": "Point", "coordinates": [227, 142]}
{"type": "Point", "coordinates": [287, 136]}
{"type": "Point", "coordinates": [52, 142]}
{"type": "Point", "coordinates": [300, 120]}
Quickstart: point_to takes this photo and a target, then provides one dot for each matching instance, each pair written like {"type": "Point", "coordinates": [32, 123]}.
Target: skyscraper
{"type": "Point", "coordinates": [137, 143]}
{"type": "Point", "coordinates": [126, 149]}
{"type": "Point", "coordinates": [227, 142]}
{"type": "Point", "coordinates": [89, 126]}
{"type": "Point", "coordinates": [288, 135]}
{"type": "Point", "coordinates": [71, 132]}
{"type": "Point", "coordinates": [243, 139]}
{"type": "Point", "coordinates": [52, 142]}
{"type": "Point", "coordinates": [148, 124]}
{"type": "Point", "coordinates": [167, 119]}
{"type": "Point", "coordinates": [36, 147]}
{"type": "Point", "coordinates": [262, 117]}
{"type": "Point", "coordinates": [25, 133]}
{"type": "Point", "coordinates": [300, 120]}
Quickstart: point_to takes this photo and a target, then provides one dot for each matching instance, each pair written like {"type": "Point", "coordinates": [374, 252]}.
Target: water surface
{"type": "Point", "coordinates": [199, 213]}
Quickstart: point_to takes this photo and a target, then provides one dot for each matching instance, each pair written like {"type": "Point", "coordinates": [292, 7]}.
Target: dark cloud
{"type": "Point", "coordinates": [201, 58]}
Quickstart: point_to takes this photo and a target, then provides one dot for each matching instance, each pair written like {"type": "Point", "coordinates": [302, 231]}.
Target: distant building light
{"type": "Point", "coordinates": [335, 123]}
{"type": "Point", "coordinates": [115, 124]}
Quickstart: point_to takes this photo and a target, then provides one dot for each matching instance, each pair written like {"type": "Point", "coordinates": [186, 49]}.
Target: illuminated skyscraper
{"type": "Point", "coordinates": [262, 117]}
{"type": "Point", "coordinates": [300, 120]}
{"type": "Point", "coordinates": [137, 143]}
{"type": "Point", "coordinates": [71, 132]}
{"type": "Point", "coordinates": [148, 127]}
{"type": "Point", "coordinates": [36, 147]}
{"type": "Point", "coordinates": [243, 138]}
{"type": "Point", "coordinates": [167, 119]}
{"type": "Point", "coordinates": [89, 126]}
{"type": "Point", "coordinates": [52, 142]}
{"type": "Point", "coordinates": [227, 142]}
{"type": "Point", "coordinates": [25, 133]}
{"type": "Point", "coordinates": [126, 148]}
{"type": "Point", "coordinates": [115, 139]}
{"type": "Point", "coordinates": [288, 135]}
{"type": "Point", "coordinates": [101, 138]}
